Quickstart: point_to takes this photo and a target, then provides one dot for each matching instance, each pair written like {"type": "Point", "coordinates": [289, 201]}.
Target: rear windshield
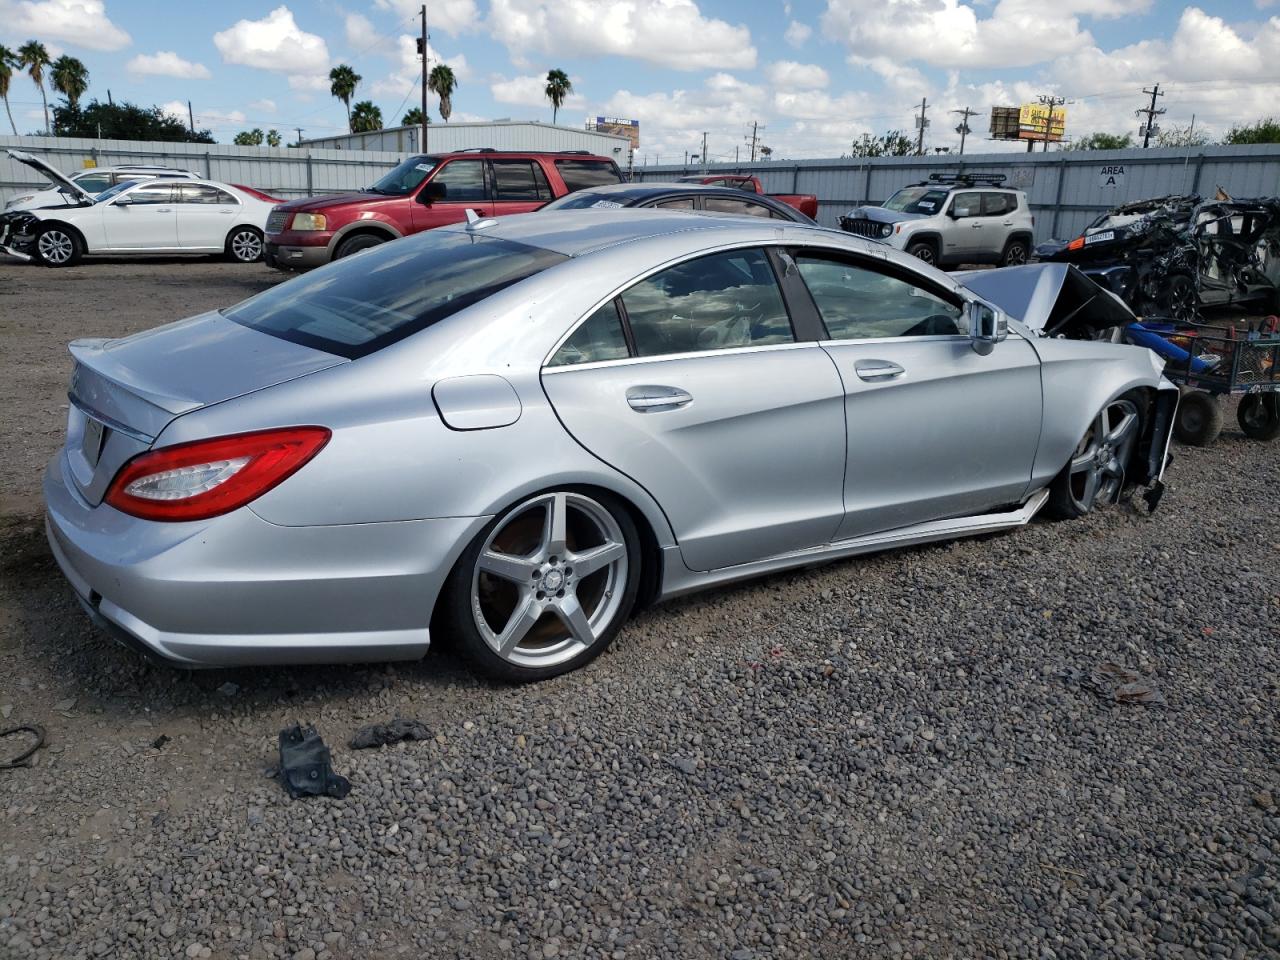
{"type": "Point", "coordinates": [581, 174]}
{"type": "Point", "coordinates": [362, 303]}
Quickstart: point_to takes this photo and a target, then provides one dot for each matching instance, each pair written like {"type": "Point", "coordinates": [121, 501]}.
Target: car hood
{"type": "Point", "coordinates": [330, 200]}
{"type": "Point", "coordinates": [1048, 297]}
{"type": "Point", "coordinates": [883, 215]}
{"type": "Point", "coordinates": [57, 176]}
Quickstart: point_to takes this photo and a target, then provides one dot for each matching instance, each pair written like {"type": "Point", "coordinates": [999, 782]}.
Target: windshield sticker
{"type": "Point", "coordinates": [607, 205]}
{"type": "Point", "coordinates": [425, 167]}
{"type": "Point", "coordinates": [926, 204]}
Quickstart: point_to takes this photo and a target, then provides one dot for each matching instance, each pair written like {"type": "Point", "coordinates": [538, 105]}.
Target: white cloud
{"type": "Point", "coordinates": [205, 119]}
{"type": "Point", "coordinates": [408, 68]}
{"type": "Point", "coordinates": [263, 106]}
{"type": "Point", "coordinates": [360, 32]}
{"type": "Point", "coordinates": [797, 76]}
{"type": "Point", "coordinates": [81, 22]}
{"type": "Point", "coordinates": [451, 16]}
{"type": "Point", "coordinates": [166, 63]}
{"type": "Point", "coordinates": [670, 33]}
{"type": "Point", "coordinates": [528, 91]}
{"type": "Point", "coordinates": [309, 82]}
{"type": "Point", "coordinates": [797, 33]}
{"type": "Point", "coordinates": [274, 43]}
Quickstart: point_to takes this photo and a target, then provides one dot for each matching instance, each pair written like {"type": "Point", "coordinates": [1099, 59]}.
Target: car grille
{"type": "Point", "coordinates": [862, 227]}
{"type": "Point", "coordinates": [277, 220]}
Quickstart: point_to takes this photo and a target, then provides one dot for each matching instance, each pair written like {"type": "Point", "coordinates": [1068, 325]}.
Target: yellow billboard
{"type": "Point", "coordinates": [1032, 118]}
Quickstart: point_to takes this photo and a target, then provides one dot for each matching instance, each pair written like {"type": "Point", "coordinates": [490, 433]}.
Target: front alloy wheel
{"type": "Point", "coordinates": [57, 247]}
{"type": "Point", "coordinates": [1095, 474]}
{"type": "Point", "coordinates": [547, 585]}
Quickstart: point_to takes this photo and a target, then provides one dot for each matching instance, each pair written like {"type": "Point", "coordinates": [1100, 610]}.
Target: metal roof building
{"type": "Point", "coordinates": [498, 134]}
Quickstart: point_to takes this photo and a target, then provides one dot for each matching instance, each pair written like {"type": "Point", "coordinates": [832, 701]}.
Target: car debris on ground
{"type": "Point", "coordinates": [382, 734]}
{"type": "Point", "coordinates": [306, 766]}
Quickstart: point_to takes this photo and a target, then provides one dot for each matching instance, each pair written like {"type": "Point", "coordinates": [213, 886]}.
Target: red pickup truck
{"type": "Point", "coordinates": [806, 203]}
{"type": "Point", "coordinates": [425, 192]}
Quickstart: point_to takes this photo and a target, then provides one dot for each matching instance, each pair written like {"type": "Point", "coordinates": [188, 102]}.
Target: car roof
{"type": "Point", "coordinates": [492, 152]}
{"type": "Point", "coordinates": [650, 188]}
{"type": "Point", "coordinates": [135, 168]}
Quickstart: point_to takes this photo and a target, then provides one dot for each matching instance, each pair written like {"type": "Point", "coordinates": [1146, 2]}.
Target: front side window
{"type": "Point", "coordinates": [600, 337]}
{"type": "Point", "coordinates": [967, 205]}
{"type": "Point", "coordinates": [462, 180]}
{"type": "Point", "coordinates": [716, 302]}
{"type": "Point", "coordinates": [857, 303]}
{"type": "Point", "coordinates": [684, 203]}
{"type": "Point", "coordinates": [520, 180]}
{"type": "Point", "coordinates": [358, 305]}
{"type": "Point", "coordinates": [151, 193]}
{"type": "Point", "coordinates": [583, 174]}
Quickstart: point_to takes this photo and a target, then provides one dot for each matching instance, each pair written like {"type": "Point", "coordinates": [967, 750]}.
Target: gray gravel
{"type": "Point", "coordinates": [903, 755]}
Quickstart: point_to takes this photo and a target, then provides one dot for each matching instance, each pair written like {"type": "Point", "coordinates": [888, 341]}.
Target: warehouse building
{"type": "Point", "coordinates": [498, 134]}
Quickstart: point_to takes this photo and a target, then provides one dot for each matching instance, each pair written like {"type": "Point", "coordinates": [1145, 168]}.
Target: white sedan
{"type": "Point", "coordinates": [141, 218]}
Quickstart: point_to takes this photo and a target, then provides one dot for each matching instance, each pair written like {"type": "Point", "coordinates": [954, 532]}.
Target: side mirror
{"type": "Point", "coordinates": [123, 201]}
{"type": "Point", "coordinates": [432, 191]}
{"type": "Point", "coordinates": [987, 326]}
{"type": "Point", "coordinates": [953, 214]}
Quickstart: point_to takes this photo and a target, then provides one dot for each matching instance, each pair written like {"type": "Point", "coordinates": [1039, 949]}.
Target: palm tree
{"type": "Point", "coordinates": [413, 118]}
{"type": "Point", "coordinates": [442, 83]}
{"type": "Point", "coordinates": [365, 117]}
{"type": "Point", "coordinates": [8, 60]}
{"type": "Point", "coordinates": [273, 138]}
{"type": "Point", "coordinates": [70, 78]}
{"type": "Point", "coordinates": [34, 58]}
{"type": "Point", "coordinates": [342, 84]}
{"type": "Point", "coordinates": [559, 86]}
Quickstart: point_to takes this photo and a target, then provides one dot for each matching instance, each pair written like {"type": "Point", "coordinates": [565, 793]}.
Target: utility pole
{"type": "Point", "coordinates": [754, 139]}
{"type": "Point", "coordinates": [191, 119]}
{"type": "Point", "coordinates": [423, 40]}
{"type": "Point", "coordinates": [963, 129]}
{"type": "Point", "coordinates": [922, 121]}
{"type": "Point", "coordinates": [1151, 113]}
{"type": "Point", "coordinates": [299, 129]}
{"type": "Point", "coordinates": [704, 151]}
{"type": "Point", "coordinates": [1049, 102]}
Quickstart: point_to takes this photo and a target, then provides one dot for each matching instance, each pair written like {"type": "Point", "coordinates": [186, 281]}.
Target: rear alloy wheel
{"type": "Point", "coordinates": [924, 251]}
{"type": "Point", "coordinates": [1095, 474]}
{"type": "Point", "coordinates": [1015, 254]}
{"type": "Point", "coordinates": [1259, 415]}
{"type": "Point", "coordinates": [546, 586]}
{"type": "Point", "coordinates": [1199, 419]}
{"type": "Point", "coordinates": [245, 245]}
{"type": "Point", "coordinates": [56, 246]}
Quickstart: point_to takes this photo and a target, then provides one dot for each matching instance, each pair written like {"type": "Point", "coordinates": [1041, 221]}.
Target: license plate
{"type": "Point", "coordinates": [1100, 237]}
{"type": "Point", "coordinates": [91, 444]}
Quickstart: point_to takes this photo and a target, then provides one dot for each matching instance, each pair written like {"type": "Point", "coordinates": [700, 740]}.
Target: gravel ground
{"type": "Point", "coordinates": [903, 755]}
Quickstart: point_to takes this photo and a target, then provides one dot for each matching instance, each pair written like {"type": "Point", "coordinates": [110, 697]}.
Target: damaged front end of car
{"type": "Point", "coordinates": [18, 234]}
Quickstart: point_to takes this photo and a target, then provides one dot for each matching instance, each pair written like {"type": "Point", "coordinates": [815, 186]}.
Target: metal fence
{"type": "Point", "coordinates": [1066, 189]}
{"type": "Point", "coordinates": [279, 171]}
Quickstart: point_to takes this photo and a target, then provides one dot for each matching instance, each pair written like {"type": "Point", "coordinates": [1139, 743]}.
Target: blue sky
{"type": "Point", "coordinates": [815, 73]}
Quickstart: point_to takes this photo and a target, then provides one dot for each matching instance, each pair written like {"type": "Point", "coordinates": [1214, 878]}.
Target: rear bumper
{"type": "Point", "coordinates": [237, 590]}
{"type": "Point", "coordinates": [285, 256]}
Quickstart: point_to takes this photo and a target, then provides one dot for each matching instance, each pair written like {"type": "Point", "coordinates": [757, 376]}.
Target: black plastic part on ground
{"type": "Point", "coordinates": [306, 767]}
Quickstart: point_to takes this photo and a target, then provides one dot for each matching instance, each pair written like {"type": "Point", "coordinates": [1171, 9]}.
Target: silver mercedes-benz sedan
{"type": "Point", "coordinates": [511, 432]}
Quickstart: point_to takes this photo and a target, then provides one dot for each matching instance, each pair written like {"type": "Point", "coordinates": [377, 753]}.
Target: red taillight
{"type": "Point", "coordinates": [206, 478]}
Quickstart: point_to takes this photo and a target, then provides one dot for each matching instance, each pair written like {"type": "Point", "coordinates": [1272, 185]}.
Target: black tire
{"type": "Point", "coordinates": [471, 594]}
{"type": "Point", "coordinates": [924, 250]}
{"type": "Point", "coordinates": [361, 241]}
{"type": "Point", "coordinates": [1094, 474]}
{"type": "Point", "coordinates": [245, 244]}
{"type": "Point", "coordinates": [1199, 419]}
{"type": "Point", "coordinates": [1015, 253]}
{"type": "Point", "coordinates": [1179, 299]}
{"type": "Point", "coordinates": [1259, 415]}
{"type": "Point", "coordinates": [59, 246]}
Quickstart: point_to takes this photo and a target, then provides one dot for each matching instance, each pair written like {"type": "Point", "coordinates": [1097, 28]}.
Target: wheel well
{"type": "Point", "coordinates": [67, 227]}
{"type": "Point", "coordinates": [242, 226]}
{"type": "Point", "coordinates": [1023, 236]}
{"type": "Point", "coordinates": [364, 231]}
{"type": "Point", "coordinates": [932, 239]}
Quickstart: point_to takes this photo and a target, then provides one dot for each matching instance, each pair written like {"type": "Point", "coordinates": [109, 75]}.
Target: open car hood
{"type": "Point", "coordinates": [1050, 298]}
{"type": "Point", "coordinates": [55, 175]}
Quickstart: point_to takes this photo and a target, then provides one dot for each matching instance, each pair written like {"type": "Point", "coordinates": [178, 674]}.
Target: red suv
{"type": "Point", "coordinates": [425, 192]}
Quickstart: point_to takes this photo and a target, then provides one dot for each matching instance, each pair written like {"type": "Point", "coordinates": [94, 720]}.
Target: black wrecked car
{"type": "Point", "coordinates": [1173, 256]}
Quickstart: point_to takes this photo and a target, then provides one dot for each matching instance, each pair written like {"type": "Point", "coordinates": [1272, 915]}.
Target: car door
{"type": "Point", "coordinates": [141, 218]}
{"type": "Point", "coordinates": [465, 186]}
{"type": "Point", "coordinates": [692, 382]}
{"type": "Point", "coordinates": [997, 217]}
{"type": "Point", "coordinates": [205, 214]}
{"type": "Point", "coordinates": [519, 186]}
{"type": "Point", "coordinates": [934, 429]}
{"type": "Point", "coordinates": [965, 238]}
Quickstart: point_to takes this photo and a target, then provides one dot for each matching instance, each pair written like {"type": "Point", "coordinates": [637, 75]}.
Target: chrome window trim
{"type": "Point", "coordinates": [688, 355]}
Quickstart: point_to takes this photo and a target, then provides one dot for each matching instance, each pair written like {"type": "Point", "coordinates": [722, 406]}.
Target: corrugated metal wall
{"type": "Point", "coordinates": [1066, 189]}
{"type": "Point", "coordinates": [514, 135]}
{"type": "Point", "coordinates": [281, 172]}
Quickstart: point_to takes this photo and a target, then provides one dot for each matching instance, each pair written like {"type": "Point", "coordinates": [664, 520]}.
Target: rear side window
{"type": "Point", "coordinates": [599, 338]}
{"type": "Point", "coordinates": [203, 193]}
{"type": "Point", "coordinates": [584, 174]}
{"type": "Point", "coordinates": [520, 180]}
{"type": "Point", "coordinates": [362, 303]}
{"type": "Point", "coordinates": [998, 204]}
{"type": "Point", "coordinates": [743, 208]}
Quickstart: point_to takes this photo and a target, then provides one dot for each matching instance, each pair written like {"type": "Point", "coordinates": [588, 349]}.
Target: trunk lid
{"type": "Point", "coordinates": [125, 392]}
{"type": "Point", "coordinates": [56, 176]}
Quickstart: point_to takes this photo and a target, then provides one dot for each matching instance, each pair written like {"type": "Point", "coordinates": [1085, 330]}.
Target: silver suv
{"type": "Point", "coordinates": [951, 219]}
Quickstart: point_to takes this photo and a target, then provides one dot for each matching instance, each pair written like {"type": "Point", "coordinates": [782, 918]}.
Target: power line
{"type": "Point", "coordinates": [1151, 113]}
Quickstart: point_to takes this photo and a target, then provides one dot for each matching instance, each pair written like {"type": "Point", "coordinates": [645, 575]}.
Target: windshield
{"type": "Point", "coordinates": [360, 304]}
{"type": "Point", "coordinates": [917, 200]}
{"type": "Point", "coordinates": [584, 199]}
{"type": "Point", "coordinates": [405, 178]}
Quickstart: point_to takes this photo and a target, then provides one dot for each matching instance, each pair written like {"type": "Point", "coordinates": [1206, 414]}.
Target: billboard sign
{"type": "Point", "coordinates": [1033, 117]}
{"type": "Point", "coordinates": [620, 128]}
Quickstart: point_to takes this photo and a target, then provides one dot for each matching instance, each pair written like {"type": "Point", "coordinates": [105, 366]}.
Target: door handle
{"type": "Point", "coordinates": [163, 210]}
{"type": "Point", "coordinates": [976, 226]}
{"type": "Point", "coordinates": [655, 399]}
{"type": "Point", "coordinates": [876, 370]}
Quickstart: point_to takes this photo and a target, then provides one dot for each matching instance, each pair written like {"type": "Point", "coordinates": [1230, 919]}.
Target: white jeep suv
{"type": "Point", "coordinates": [951, 219]}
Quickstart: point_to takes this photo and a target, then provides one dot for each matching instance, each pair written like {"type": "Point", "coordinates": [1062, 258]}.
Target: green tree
{"type": "Point", "coordinates": [365, 117]}
{"type": "Point", "coordinates": [249, 138]}
{"type": "Point", "coordinates": [273, 138]}
{"type": "Point", "coordinates": [70, 78]}
{"type": "Point", "coordinates": [33, 57]}
{"type": "Point", "coordinates": [559, 86]}
{"type": "Point", "coordinates": [342, 84]}
{"type": "Point", "coordinates": [442, 83]}
{"type": "Point", "coordinates": [124, 121]}
{"type": "Point", "coordinates": [413, 118]}
{"type": "Point", "coordinates": [893, 143]}
{"type": "Point", "coordinates": [1264, 131]}
{"type": "Point", "coordinates": [766, 153]}
{"type": "Point", "coordinates": [8, 60]}
{"type": "Point", "coordinates": [1102, 141]}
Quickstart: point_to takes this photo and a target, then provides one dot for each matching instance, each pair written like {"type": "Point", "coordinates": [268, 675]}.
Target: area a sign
{"type": "Point", "coordinates": [1111, 175]}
